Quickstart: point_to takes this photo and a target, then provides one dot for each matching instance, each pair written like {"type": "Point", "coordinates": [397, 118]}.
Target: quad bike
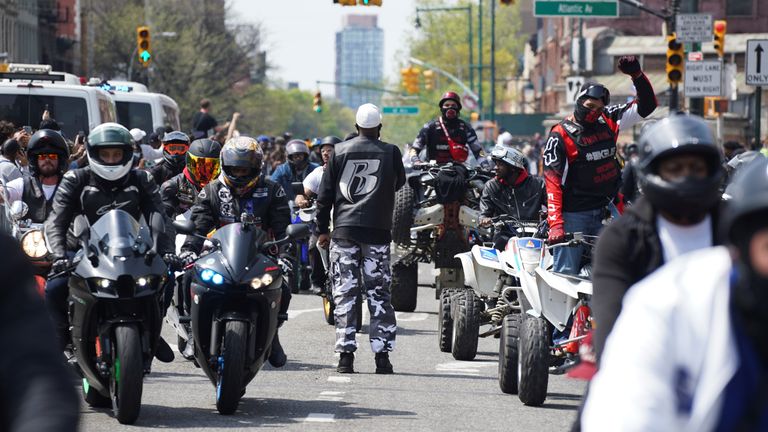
{"type": "Point", "coordinates": [432, 226]}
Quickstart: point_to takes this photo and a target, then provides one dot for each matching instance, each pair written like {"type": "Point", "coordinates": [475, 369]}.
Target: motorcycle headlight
{"type": "Point", "coordinates": [261, 281]}
{"type": "Point", "coordinates": [211, 276]}
{"type": "Point", "coordinates": [33, 244]}
{"type": "Point", "coordinates": [146, 282]}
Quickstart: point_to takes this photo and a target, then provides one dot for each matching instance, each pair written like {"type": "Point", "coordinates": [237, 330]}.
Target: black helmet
{"type": "Point", "coordinates": [680, 134]}
{"type": "Point", "coordinates": [241, 152]}
{"type": "Point", "coordinates": [509, 156]}
{"type": "Point", "coordinates": [295, 147]}
{"type": "Point", "coordinates": [203, 163]}
{"type": "Point", "coordinates": [175, 146]}
{"type": "Point", "coordinates": [594, 90]}
{"type": "Point", "coordinates": [330, 140]}
{"type": "Point", "coordinates": [110, 135]}
{"type": "Point", "coordinates": [748, 196]}
{"type": "Point", "coordinates": [47, 141]}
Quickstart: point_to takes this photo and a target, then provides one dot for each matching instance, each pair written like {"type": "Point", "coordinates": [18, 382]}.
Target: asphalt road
{"type": "Point", "coordinates": [429, 390]}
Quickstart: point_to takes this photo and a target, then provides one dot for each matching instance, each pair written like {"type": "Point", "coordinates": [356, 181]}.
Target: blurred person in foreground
{"type": "Point", "coordinates": [688, 352]}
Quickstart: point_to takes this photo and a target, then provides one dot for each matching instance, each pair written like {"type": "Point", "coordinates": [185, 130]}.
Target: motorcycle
{"type": "Point", "coordinates": [30, 236]}
{"type": "Point", "coordinates": [114, 308]}
{"type": "Point", "coordinates": [300, 279]}
{"type": "Point", "coordinates": [432, 227]}
{"type": "Point", "coordinates": [236, 294]}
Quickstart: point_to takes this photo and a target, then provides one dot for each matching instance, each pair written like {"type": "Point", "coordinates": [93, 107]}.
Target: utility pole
{"type": "Point", "coordinates": [480, 57]}
{"type": "Point", "coordinates": [493, 61]}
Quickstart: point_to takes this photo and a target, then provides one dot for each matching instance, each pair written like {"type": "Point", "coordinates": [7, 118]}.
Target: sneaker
{"type": "Point", "coordinates": [277, 357]}
{"type": "Point", "coordinates": [383, 366]}
{"type": "Point", "coordinates": [163, 352]}
{"type": "Point", "coordinates": [346, 363]}
{"type": "Point", "coordinates": [189, 350]}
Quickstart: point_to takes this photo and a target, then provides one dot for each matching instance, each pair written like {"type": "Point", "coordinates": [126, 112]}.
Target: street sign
{"type": "Point", "coordinates": [400, 110]}
{"type": "Point", "coordinates": [576, 8]}
{"type": "Point", "coordinates": [703, 78]}
{"type": "Point", "coordinates": [572, 86]}
{"type": "Point", "coordinates": [695, 56]}
{"type": "Point", "coordinates": [469, 102]}
{"type": "Point", "coordinates": [757, 62]}
{"type": "Point", "coordinates": [694, 28]}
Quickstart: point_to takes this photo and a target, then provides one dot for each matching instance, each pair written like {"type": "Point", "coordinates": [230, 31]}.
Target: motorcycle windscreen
{"type": "Point", "coordinates": [117, 232]}
{"type": "Point", "coordinates": [240, 246]}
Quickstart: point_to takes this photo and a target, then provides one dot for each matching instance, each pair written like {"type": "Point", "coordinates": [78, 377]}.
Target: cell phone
{"type": "Point", "coordinates": [27, 129]}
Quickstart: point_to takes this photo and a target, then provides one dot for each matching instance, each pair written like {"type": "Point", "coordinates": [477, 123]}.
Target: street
{"type": "Point", "coordinates": [429, 390]}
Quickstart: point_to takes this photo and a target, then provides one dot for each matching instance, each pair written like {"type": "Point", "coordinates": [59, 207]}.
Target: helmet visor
{"type": "Point", "coordinates": [596, 91]}
{"type": "Point", "coordinates": [203, 169]}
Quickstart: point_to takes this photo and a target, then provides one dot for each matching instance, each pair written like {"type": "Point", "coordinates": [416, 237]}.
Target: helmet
{"type": "Point", "coordinates": [315, 142]}
{"type": "Point", "coordinates": [295, 147]}
{"type": "Point", "coordinates": [262, 139]}
{"type": "Point", "coordinates": [203, 162]}
{"type": "Point", "coordinates": [112, 136]}
{"type": "Point", "coordinates": [47, 141]}
{"type": "Point", "coordinates": [508, 155]}
{"type": "Point", "coordinates": [330, 140]}
{"type": "Point", "coordinates": [594, 90]}
{"type": "Point", "coordinates": [175, 146]}
{"type": "Point", "coordinates": [241, 152]}
{"type": "Point", "coordinates": [450, 96]}
{"type": "Point", "coordinates": [749, 195]}
{"type": "Point", "coordinates": [680, 134]}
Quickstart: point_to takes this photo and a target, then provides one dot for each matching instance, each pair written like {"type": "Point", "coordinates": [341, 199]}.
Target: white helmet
{"type": "Point", "coordinates": [110, 136]}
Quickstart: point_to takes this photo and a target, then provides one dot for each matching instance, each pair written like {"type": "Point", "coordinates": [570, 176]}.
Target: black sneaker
{"type": "Point", "coordinates": [383, 366]}
{"type": "Point", "coordinates": [346, 363]}
{"type": "Point", "coordinates": [277, 357]}
{"type": "Point", "coordinates": [163, 352]}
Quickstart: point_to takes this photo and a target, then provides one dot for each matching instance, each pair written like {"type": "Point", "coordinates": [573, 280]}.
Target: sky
{"type": "Point", "coordinates": [301, 35]}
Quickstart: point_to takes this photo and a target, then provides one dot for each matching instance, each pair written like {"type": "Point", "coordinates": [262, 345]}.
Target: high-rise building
{"type": "Point", "coordinates": [359, 60]}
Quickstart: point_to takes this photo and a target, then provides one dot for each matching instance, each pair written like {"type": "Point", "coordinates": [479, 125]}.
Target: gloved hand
{"type": "Point", "coordinates": [188, 257]}
{"type": "Point", "coordinates": [60, 265]}
{"type": "Point", "coordinates": [173, 261]}
{"type": "Point", "coordinates": [415, 160]}
{"type": "Point", "coordinates": [285, 265]}
{"type": "Point", "coordinates": [630, 65]}
{"type": "Point", "coordinates": [556, 234]}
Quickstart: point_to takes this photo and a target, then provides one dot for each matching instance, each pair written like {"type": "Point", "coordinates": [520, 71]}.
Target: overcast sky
{"type": "Point", "coordinates": [300, 34]}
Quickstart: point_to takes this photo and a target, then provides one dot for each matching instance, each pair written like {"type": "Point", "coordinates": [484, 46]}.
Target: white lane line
{"type": "Point", "coordinates": [462, 368]}
{"type": "Point", "coordinates": [331, 396]}
{"type": "Point", "coordinates": [408, 316]}
{"type": "Point", "coordinates": [337, 379]}
{"type": "Point", "coordinates": [296, 313]}
{"type": "Point", "coordinates": [320, 418]}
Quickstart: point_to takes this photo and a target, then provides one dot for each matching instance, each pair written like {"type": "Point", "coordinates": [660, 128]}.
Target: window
{"type": "Point", "coordinates": [71, 113]}
{"type": "Point", "coordinates": [739, 7]}
{"type": "Point", "coordinates": [135, 115]}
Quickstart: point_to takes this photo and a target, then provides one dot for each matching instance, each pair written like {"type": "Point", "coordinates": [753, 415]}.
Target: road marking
{"type": "Point", "coordinates": [332, 396]}
{"type": "Point", "coordinates": [338, 379]}
{"type": "Point", "coordinates": [408, 317]}
{"type": "Point", "coordinates": [320, 418]}
{"type": "Point", "coordinates": [296, 313]}
{"type": "Point", "coordinates": [462, 368]}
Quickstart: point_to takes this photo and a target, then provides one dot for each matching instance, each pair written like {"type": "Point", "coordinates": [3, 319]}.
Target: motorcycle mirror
{"type": "Point", "coordinates": [19, 209]}
{"type": "Point", "coordinates": [297, 188]}
{"type": "Point", "coordinates": [184, 226]}
{"type": "Point", "coordinates": [81, 227]}
{"type": "Point", "coordinates": [297, 231]}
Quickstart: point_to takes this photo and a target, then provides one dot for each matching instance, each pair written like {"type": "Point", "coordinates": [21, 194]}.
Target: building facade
{"type": "Point", "coordinates": [359, 60]}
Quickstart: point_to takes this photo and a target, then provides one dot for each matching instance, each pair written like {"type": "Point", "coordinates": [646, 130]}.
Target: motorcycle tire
{"type": "Point", "coordinates": [533, 361]}
{"type": "Point", "coordinates": [403, 214]}
{"type": "Point", "coordinates": [508, 353]}
{"type": "Point", "coordinates": [93, 398]}
{"type": "Point", "coordinates": [229, 385]}
{"type": "Point", "coordinates": [305, 283]}
{"type": "Point", "coordinates": [466, 325]}
{"type": "Point", "coordinates": [445, 320]}
{"type": "Point", "coordinates": [405, 287]}
{"type": "Point", "coordinates": [127, 378]}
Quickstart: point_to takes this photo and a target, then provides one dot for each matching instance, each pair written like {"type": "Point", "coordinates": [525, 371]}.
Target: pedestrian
{"type": "Point", "coordinates": [359, 185]}
{"type": "Point", "coordinates": [688, 352]}
{"type": "Point", "coordinates": [203, 121]}
{"type": "Point", "coordinates": [581, 168]}
{"type": "Point", "coordinates": [10, 154]}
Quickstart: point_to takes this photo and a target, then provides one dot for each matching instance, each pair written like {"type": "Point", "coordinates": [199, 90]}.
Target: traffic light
{"type": "Point", "coordinates": [719, 34]}
{"type": "Point", "coordinates": [318, 103]}
{"type": "Point", "coordinates": [429, 79]}
{"type": "Point", "coordinates": [675, 54]}
{"type": "Point", "coordinates": [410, 79]}
{"type": "Point", "coordinates": [143, 46]}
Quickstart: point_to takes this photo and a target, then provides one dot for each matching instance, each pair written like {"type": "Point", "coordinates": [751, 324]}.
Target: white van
{"type": "Point", "coordinates": [76, 108]}
{"type": "Point", "coordinates": [137, 108]}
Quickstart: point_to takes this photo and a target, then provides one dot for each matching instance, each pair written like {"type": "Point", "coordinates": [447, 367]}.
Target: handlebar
{"type": "Point", "coordinates": [576, 239]}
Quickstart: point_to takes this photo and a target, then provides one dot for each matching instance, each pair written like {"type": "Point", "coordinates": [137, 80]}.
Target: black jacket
{"type": "Point", "coordinates": [82, 192]}
{"type": "Point", "coordinates": [178, 195]}
{"type": "Point", "coordinates": [164, 171]}
{"type": "Point", "coordinates": [216, 206]}
{"type": "Point", "coordinates": [629, 249]}
{"type": "Point", "coordinates": [523, 201]}
{"type": "Point", "coordinates": [433, 139]}
{"type": "Point", "coordinates": [359, 183]}
{"type": "Point", "coordinates": [36, 392]}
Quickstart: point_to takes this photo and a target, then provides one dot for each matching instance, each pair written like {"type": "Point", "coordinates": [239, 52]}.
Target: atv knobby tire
{"type": "Point", "coordinates": [405, 288]}
{"type": "Point", "coordinates": [533, 361]}
{"type": "Point", "coordinates": [466, 325]}
{"type": "Point", "coordinates": [402, 215]}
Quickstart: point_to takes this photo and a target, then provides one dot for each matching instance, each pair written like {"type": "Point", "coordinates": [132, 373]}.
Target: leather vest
{"type": "Point", "coordinates": [594, 171]}
{"type": "Point", "coordinates": [34, 197]}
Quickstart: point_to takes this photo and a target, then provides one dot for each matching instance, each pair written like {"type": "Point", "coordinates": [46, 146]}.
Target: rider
{"type": "Point", "coordinates": [581, 169]}
{"type": "Point", "coordinates": [681, 174]}
{"type": "Point", "coordinates": [512, 192]}
{"type": "Point", "coordinates": [688, 352]}
{"type": "Point", "coordinates": [447, 138]}
{"type": "Point", "coordinates": [242, 189]}
{"type": "Point", "coordinates": [295, 169]}
{"type": "Point", "coordinates": [48, 155]}
{"type": "Point", "coordinates": [175, 147]}
{"type": "Point", "coordinates": [107, 183]}
{"type": "Point", "coordinates": [202, 166]}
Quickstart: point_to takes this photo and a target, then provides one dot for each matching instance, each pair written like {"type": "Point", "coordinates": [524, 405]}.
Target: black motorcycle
{"type": "Point", "coordinates": [114, 308]}
{"type": "Point", "coordinates": [236, 293]}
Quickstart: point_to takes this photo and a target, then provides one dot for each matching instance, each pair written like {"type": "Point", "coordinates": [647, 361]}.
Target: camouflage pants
{"type": "Point", "coordinates": [356, 266]}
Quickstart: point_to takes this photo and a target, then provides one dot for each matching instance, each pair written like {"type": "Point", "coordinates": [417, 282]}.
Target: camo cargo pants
{"type": "Point", "coordinates": [356, 266]}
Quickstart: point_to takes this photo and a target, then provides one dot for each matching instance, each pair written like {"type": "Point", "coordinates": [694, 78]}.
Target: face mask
{"type": "Point", "coordinates": [584, 115]}
{"type": "Point", "coordinates": [450, 113]}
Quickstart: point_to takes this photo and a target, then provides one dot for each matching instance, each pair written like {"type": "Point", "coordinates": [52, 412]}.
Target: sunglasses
{"type": "Point", "coordinates": [176, 149]}
{"type": "Point", "coordinates": [49, 156]}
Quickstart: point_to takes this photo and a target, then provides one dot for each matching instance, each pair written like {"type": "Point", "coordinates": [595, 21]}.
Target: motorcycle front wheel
{"type": "Point", "coordinates": [231, 366]}
{"type": "Point", "coordinates": [127, 377]}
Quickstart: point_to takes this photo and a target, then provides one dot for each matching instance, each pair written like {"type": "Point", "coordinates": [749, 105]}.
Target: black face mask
{"type": "Point", "coordinates": [585, 116]}
{"type": "Point", "coordinates": [445, 112]}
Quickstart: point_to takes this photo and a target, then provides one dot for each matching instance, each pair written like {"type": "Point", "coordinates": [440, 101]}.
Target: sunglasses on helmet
{"type": "Point", "coordinates": [176, 149]}
{"type": "Point", "coordinates": [49, 156]}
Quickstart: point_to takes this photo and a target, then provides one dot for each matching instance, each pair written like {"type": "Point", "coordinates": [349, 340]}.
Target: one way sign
{"type": "Point", "coordinates": [757, 62]}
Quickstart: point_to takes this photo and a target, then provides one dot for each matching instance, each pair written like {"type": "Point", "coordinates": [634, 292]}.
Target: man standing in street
{"type": "Point", "coordinates": [203, 123]}
{"type": "Point", "coordinates": [359, 184]}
